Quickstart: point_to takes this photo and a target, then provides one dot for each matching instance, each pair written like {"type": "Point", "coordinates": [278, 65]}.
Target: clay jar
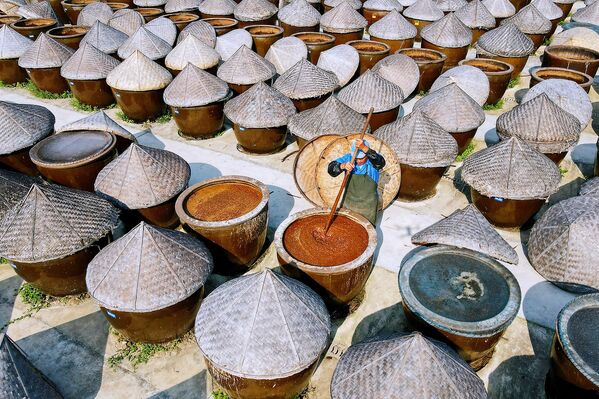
{"type": "Point", "coordinates": [222, 25]}
{"type": "Point", "coordinates": [316, 43]}
{"type": "Point", "coordinates": [342, 38]}
{"type": "Point", "coordinates": [541, 73]}
{"type": "Point", "coordinates": [92, 92]}
{"type": "Point", "coordinates": [268, 21]}
{"type": "Point", "coordinates": [374, 15]}
{"type": "Point", "coordinates": [289, 30]}
{"type": "Point", "coordinates": [265, 140]}
{"type": "Point", "coordinates": [419, 24]}
{"type": "Point", "coordinates": [11, 72]}
{"type": "Point", "coordinates": [140, 106]}
{"type": "Point", "coordinates": [236, 231]}
{"type": "Point", "coordinates": [69, 35]}
{"type": "Point", "coordinates": [74, 158]}
{"type": "Point", "coordinates": [182, 19]}
{"type": "Point", "coordinates": [48, 79]}
{"type": "Point", "coordinates": [201, 122]}
{"type": "Point", "coordinates": [477, 33]}
{"type": "Point", "coordinates": [394, 45]}
{"type": "Point", "coordinates": [150, 14]}
{"type": "Point", "coordinates": [517, 63]}
{"type": "Point", "coordinates": [454, 55]}
{"type": "Point", "coordinates": [20, 161]}
{"type": "Point", "coordinates": [370, 53]}
{"type": "Point", "coordinates": [417, 183]}
{"type": "Point", "coordinates": [498, 72]}
{"type": "Point", "coordinates": [31, 28]}
{"type": "Point", "coordinates": [264, 36]}
{"type": "Point", "coordinates": [571, 57]}
{"type": "Point", "coordinates": [9, 19]}
{"type": "Point", "coordinates": [72, 8]}
{"type": "Point", "coordinates": [430, 63]}
{"type": "Point", "coordinates": [565, 7]}
{"type": "Point", "coordinates": [505, 212]}
{"type": "Point", "coordinates": [340, 283]}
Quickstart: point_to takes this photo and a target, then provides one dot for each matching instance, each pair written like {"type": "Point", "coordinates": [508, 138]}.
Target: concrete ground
{"type": "Point", "coordinates": [71, 342]}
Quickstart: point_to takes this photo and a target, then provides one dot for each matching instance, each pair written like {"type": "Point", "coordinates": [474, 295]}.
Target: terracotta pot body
{"type": "Point", "coordinates": [463, 139]}
{"type": "Point", "coordinates": [92, 92]}
{"type": "Point", "coordinates": [430, 63]}
{"type": "Point", "coordinates": [11, 72]}
{"type": "Point", "coordinates": [264, 36]}
{"type": "Point", "coordinates": [307, 103]}
{"type": "Point", "coordinates": [31, 28]}
{"type": "Point", "coordinates": [268, 21]}
{"type": "Point", "coordinates": [571, 57]}
{"type": "Point", "coordinates": [379, 119]}
{"type": "Point", "coordinates": [68, 35]}
{"type": "Point", "coordinates": [373, 15]}
{"type": "Point", "coordinates": [556, 157]}
{"type": "Point", "coordinates": [161, 215]}
{"type": "Point", "coordinates": [150, 14]}
{"type": "Point", "coordinates": [370, 53]}
{"type": "Point", "coordinates": [222, 25]}
{"type": "Point", "coordinates": [394, 45]}
{"type": "Point", "coordinates": [239, 89]}
{"type": "Point", "coordinates": [498, 72]}
{"type": "Point", "coordinates": [566, 8]}
{"type": "Point", "coordinates": [539, 74]}
{"type": "Point", "coordinates": [48, 79]}
{"type": "Point", "coordinates": [59, 11]}
{"type": "Point", "coordinates": [504, 212]}
{"type": "Point", "coordinates": [9, 19]}
{"type": "Point", "coordinates": [419, 24]}
{"type": "Point", "coordinates": [554, 23]}
{"type": "Point", "coordinates": [203, 15]}
{"type": "Point", "coordinates": [73, 8]}
{"type": "Point", "coordinates": [140, 106]}
{"type": "Point", "coordinates": [182, 19]}
{"type": "Point", "coordinates": [537, 39]}
{"type": "Point", "coordinates": [289, 30]}
{"type": "Point", "coordinates": [477, 33]}
{"type": "Point", "coordinates": [157, 326]}
{"type": "Point", "coordinates": [316, 43]}
{"type": "Point", "coordinates": [342, 38]}
{"type": "Point", "coordinates": [518, 4]}
{"type": "Point", "coordinates": [175, 72]}
{"type": "Point", "coordinates": [517, 63]}
{"type": "Point", "coordinates": [201, 122]}
{"type": "Point", "coordinates": [417, 183]}
{"type": "Point", "coordinates": [260, 141]}
{"type": "Point", "coordinates": [454, 55]}
{"type": "Point", "coordinates": [20, 161]}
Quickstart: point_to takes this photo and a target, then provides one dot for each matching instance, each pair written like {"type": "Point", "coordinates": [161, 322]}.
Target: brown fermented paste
{"type": "Point", "coordinates": [223, 201]}
{"type": "Point", "coordinates": [345, 241]}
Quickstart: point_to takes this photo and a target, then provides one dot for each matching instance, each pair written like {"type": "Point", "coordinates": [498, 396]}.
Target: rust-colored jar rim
{"type": "Point", "coordinates": [216, 22]}
{"type": "Point", "coordinates": [78, 2]}
{"type": "Point", "coordinates": [181, 16]}
{"type": "Point", "coordinates": [274, 30]}
{"type": "Point", "coordinates": [187, 218]}
{"type": "Point", "coordinates": [10, 19]}
{"type": "Point", "coordinates": [555, 51]}
{"type": "Point", "coordinates": [57, 32]}
{"type": "Point", "coordinates": [103, 143]}
{"type": "Point", "coordinates": [357, 262]}
{"type": "Point", "coordinates": [476, 62]}
{"type": "Point", "coordinates": [149, 12]}
{"type": "Point", "coordinates": [586, 80]}
{"type": "Point", "coordinates": [31, 23]}
{"type": "Point", "coordinates": [413, 296]}
{"type": "Point", "coordinates": [361, 47]}
{"type": "Point", "coordinates": [415, 51]}
{"type": "Point", "coordinates": [306, 37]}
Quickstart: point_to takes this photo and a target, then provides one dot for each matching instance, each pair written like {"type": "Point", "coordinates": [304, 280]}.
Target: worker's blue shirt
{"type": "Point", "coordinates": [366, 169]}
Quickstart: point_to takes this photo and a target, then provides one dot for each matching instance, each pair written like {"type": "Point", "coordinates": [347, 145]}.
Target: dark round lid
{"type": "Point", "coordinates": [459, 290]}
{"type": "Point", "coordinates": [73, 148]}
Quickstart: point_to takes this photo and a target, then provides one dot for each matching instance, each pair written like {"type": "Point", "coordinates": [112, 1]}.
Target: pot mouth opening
{"type": "Point", "coordinates": [68, 31]}
{"type": "Point", "coordinates": [489, 66]}
{"type": "Point", "coordinates": [149, 11]}
{"type": "Point", "coordinates": [221, 22]}
{"type": "Point", "coordinates": [9, 19]}
{"type": "Point", "coordinates": [558, 73]}
{"type": "Point", "coordinates": [315, 37]}
{"type": "Point", "coordinates": [573, 53]}
{"type": "Point", "coordinates": [264, 30]}
{"type": "Point", "coordinates": [34, 23]}
{"type": "Point", "coordinates": [79, 2]}
{"type": "Point", "coordinates": [183, 17]}
{"type": "Point", "coordinates": [118, 6]}
{"type": "Point", "coordinates": [424, 56]}
{"type": "Point", "coordinates": [369, 47]}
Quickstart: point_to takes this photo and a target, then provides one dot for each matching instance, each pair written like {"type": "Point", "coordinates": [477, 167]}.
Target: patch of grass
{"type": "Point", "coordinates": [37, 92]}
{"type": "Point", "coordinates": [75, 103]}
{"type": "Point", "coordinates": [563, 171]}
{"type": "Point", "coordinates": [163, 118]}
{"type": "Point", "coordinates": [35, 300]}
{"type": "Point", "coordinates": [466, 153]}
{"type": "Point", "coordinates": [547, 42]}
{"type": "Point", "coordinates": [139, 353]}
{"type": "Point", "coordinates": [514, 82]}
{"type": "Point", "coordinates": [220, 395]}
{"type": "Point", "coordinates": [423, 93]}
{"type": "Point", "coordinates": [493, 107]}
{"type": "Point", "coordinates": [20, 85]}
{"type": "Point", "coordinates": [2, 261]}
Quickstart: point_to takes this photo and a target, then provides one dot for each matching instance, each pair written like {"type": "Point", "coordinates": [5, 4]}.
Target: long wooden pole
{"type": "Point", "coordinates": [347, 174]}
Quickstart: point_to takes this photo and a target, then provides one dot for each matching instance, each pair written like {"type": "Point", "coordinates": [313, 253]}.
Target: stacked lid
{"type": "Point", "coordinates": [104, 38]}
{"type": "Point", "coordinates": [254, 10]}
{"type": "Point", "coordinates": [217, 7]}
{"type": "Point", "coordinates": [467, 228]}
{"type": "Point", "coordinates": [138, 73]}
{"type": "Point", "coordinates": [542, 124]}
{"type": "Point", "coordinates": [142, 177]}
{"type": "Point", "coordinates": [286, 52]}
{"type": "Point", "coordinates": [330, 117]}
{"type": "Point", "coordinates": [371, 90]}
{"type": "Point", "coordinates": [451, 5]}
{"type": "Point", "coordinates": [579, 37]}
{"type": "Point", "coordinates": [306, 80]}
{"type": "Point", "coordinates": [93, 12]}
{"type": "Point", "coordinates": [471, 80]}
{"type": "Point", "coordinates": [245, 67]}
{"type": "Point", "coordinates": [425, 10]}
{"type": "Point", "coordinates": [343, 60]}
{"type": "Point", "coordinates": [88, 63]}
{"type": "Point", "coordinates": [530, 21]}
{"type": "Point", "coordinates": [590, 187]}
{"type": "Point", "coordinates": [393, 26]}
{"type": "Point", "coordinates": [52, 222]}
{"type": "Point", "coordinates": [587, 15]}
{"type": "Point", "coordinates": [448, 32]}
{"type": "Point", "coordinates": [23, 125]}
{"type": "Point", "coordinates": [562, 244]}
{"type": "Point", "coordinates": [98, 121]}
{"type": "Point", "coordinates": [500, 8]}
{"type": "Point", "coordinates": [382, 5]}
{"type": "Point", "coordinates": [14, 186]}
{"type": "Point", "coordinates": [45, 52]}
{"type": "Point", "coordinates": [550, 10]}
{"type": "Point", "coordinates": [148, 269]}
{"type": "Point", "coordinates": [43, 9]}
{"type": "Point", "coordinates": [476, 16]}
{"type": "Point", "coordinates": [230, 42]}
{"type": "Point", "coordinates": [299, 13]}
{"type": "Point", "coordinates": [164, 28]}
{"type": "Point", "coordinates": [202, 30]}
{"type": "Point", "coordinates": [149, 3]}
{"type": "Point", "coordinates": [263, 326]}
{"type": "Point", "coordinates": [342, 19]}
{"type": "Point", "coordinates": [12, 43]}
{"type": "Point", "coordinates": [396, 367]}
{"type": "Point", "coordinates": [400, 70]}
{"type": "Point", "coordinates": [356, 4]}
{"type": "Point", "coordinates": [194, 87]}
{"type": "Point", "coordinates": [505, 41]}
{"type": "Point", "coordinates": [173, 6]}
{"type": "Point", "coordinates": [192, 50]}
{"type": "Point", "coordinates": [259, 107]}
{"type": "Point", "coordinates": [511, 169]}
{"type": "Point", "coordinates": [126, 21]}
{"type": "Point", "coordinates": [148, 43]}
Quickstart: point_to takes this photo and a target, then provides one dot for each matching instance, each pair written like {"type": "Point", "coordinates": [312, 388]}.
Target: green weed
{"type": "Point", "coordinates": [466, 153]}
{"type": "Point", "coordinates": [140, 353]}
{"type": "Point", "coordinates": [37, 92]}
{"type": "Point", "coordinates": [563, 171]}
{"type": "Point", "coordinates": [514, 82]}
{"type": "Point", "coordinates": [163, 118]}
{"type": "Point", "coordinates": [75, 103]}
{"type": "Point", "coordinates": [423, 93]}
{"type": "Point", "coordinates": [2, 261]}
{"type": "Point", "coordinates": [493, 107]}
{"type": "Point", "coordinates": [220, 395]}
{"type": "Point", "coordinates": [20, 85]}
{"type": "Point", "coordinates": [547, 42]}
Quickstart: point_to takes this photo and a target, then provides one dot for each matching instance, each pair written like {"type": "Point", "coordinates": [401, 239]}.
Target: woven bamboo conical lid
{"type": "Point", "coordinates": [530, 21]}
{"type": "Point", "coordinates": [148, 269]}
{"type": "Point", "coordinates": [173, 6]}
{"type": "Point", "coordinates": [254, 10]}
{"type": "Point", "coordinates": [567, 95]}
{"type": "Point", "coordinates": [142, 177]}
{"type": "Point", "coordinates": [549, 9]}
{"type": "Point", "coordinates": [511, 169]}
{"type": "Point", "coordinates": [562, 248]}
{"type": "Point", "coordinates": [453, 109]}
{"type": "Point", "coordinates": [451, 5]}
{"type": "Point", "coordinates": [104, 38]}
{"type": "Point", "coordinates": [471, 80]}
{"type": "Point", "coordinates": [45, 52]}
{"type": "Point", "coordinates": [579, 37]}
{"type": "Point", "coordinates": [393, 26]}
{"type": "Point", "coordinates": [88, 63]}
{"type": "Point", "coordinates": [447, 32]}
{"type": "Point", "coordinates": [419, 142]}
{"type": "Point", "coordinates": [9, 7]}
{"type": "Point", "coordinates": [12, 43]}
{"type": "Point", "coordinates": [94, 12]}
{"type": "Point", "coordinates": [98, 121]}
{"type": "Point", "coordinates": [263, 325]}
{"type": "Point", "coordinates": [382, 5]}
{"type": "Point", "coordinates": [400, 70]}
{"type": "Point", "coordinates": [342, 19]}
{"type": "Point", "coordinates": [371, 90]}
{"type": "Point", "coordinates": [286, 52]}
{"type": "Point", "coordinates": [14, 187]}
{"type": "Point", "coordinates": [330, 117]}
{"type": "Point", "coordinates": [587, 15]}
{"type": "Point", "coordinates": [299, 13]}
{"type": "Point", "coordinates": [542, 124]}
{"type": "Point", "coordinates": [203, 31]}
{"type": "Point", "coordinates": [356, 4]}
{"type": "Point", "coordinates": [217, 7]}
{"type": "Point", "coordinates": [149, 3]}
{"type": "Point", "coordinates": [245, 67]}
{"type": "Point", "coordinates": [229, 43]}
{"type": "Point", "coordinates": [192, 50]}
{"type": "Point", "coordinates": [506, 41]}
{"type": "Point", "coordinates": [590, 187]}
{"type": "Point", "coordinates": [164, 28]}
{"type": "Point", "coordinates": [476, 16]}
{"type": "Point", "coordinates": [500, 8]}
{"type": "Point", "coordinates": [20, 378]}
{"type": "Point", "coordinates": [126, 21]}
{"type": "Point", "coordinates": [404, 366]}
{"type": "Point", "coordinates": [138, 73]}
{"type": "Point", "coordinates": [343, 60]}
{"type": "Point", "coordinates": [52, 222]}
{"type": "Point", "coordinates": [23, 125]}
{"type": "Point", "coordinates": [425, 10]}
{"type": "Point", "coordinates": [194, 87]}
{"type": "Point", "coordinates": [43, 9]}
{"type": "Point", "coordinates": [306, 80]}
{"type": "Point", "coordinates": [259, 107]}
{"type": "Point", "coordinates": [147, 43]}
{"type": "Point", "coordinates": [467, 228]}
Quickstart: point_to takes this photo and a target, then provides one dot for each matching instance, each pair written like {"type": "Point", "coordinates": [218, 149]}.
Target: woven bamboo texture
{"type": "Point", "coordinates": [14, 187]}
{"type": "Point", "coordinates": [254, 10]}
{"type": "Point", "coordinates": [105, 38]}
{"type": "Point", "coordinates": [506, 41]}
{"type": "Point", "coordinates": [306, 80]}
{"type": "Point", "coordinates": [93, 12]}
{"type": "Point", "coordinates": [164, 28]}
{"type": "Point", "coordinates": [299, 13]}
{"type": "Point", "coordinates": [343, 60]}
{"type": "Point", "coordinates": [193, 51]}
{"type": "Point", "coordinates": [194, 87]}
{"type": "Point", "coordinates": [126, 21]}
{"type": "Point", "coordinates": [471, 80]}
{"type": "Point", "coordinates": [98, 121]}
{"type": "Point", "coordinates": [530, 21]}
{"type": "Point", "coordinates": [500, 8]}
{"type": "Point", "coordinates": [147, 43]}
{"type": "Point", "coordinates": [400, 70]}
{"type": "Point", "coordinates": [448, 32]}
{"type": "Point", "coordinates": [590, 187]}
{"type": "Point", "coordinates": [393, 26]}
{"type": "Point", "coordinates": [342, 19]}
{"type": "Point", "coordinates": [286, 52]}
{"type": "Point", "coordinates": [12, 43]}
{"type": "Point", "coordinates": [45, 52]}
{"type": "Point", "coordinates": [88, 63]}
{"type": "Point", "coordinates": [425, 10]}
{"type": "Point", "coordinates": [23, 125]}
{"type": "Point", "coordinates": [245, 67]}
{"type": "Point", "coordinates": [203, 31]}
{"type": "Point", "coordinates": [138, 73]}
{"type": "Point", "coordinates": [229, 43]}
{"type": "Point", "coordinates": [371, 90]}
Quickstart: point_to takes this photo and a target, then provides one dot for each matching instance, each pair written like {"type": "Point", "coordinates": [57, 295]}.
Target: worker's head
{"type": "Point", "coordinates": [361, 154]}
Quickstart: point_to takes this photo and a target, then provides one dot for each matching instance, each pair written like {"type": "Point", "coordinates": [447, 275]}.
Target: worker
{"type": "Point", "coordinates": [361, 194]}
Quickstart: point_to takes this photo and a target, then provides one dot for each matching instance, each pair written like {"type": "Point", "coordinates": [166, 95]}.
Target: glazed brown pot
{"type": "Point", "coordinates": [308, 103]}
{"type": "Point", "coordinates": [554, 23]}
{"type": "Point", "coordinates": [31, 28]}
{"type": "Point", "coordinates": [59, 11]}
{"type": "Point", "coordinates": [564, 380]}
{"type": "Point", "coordinates": [417, 183]}
{"type": "Point", "coordinates": [317, 43]}
{"type": "Point", "coordinates": [379, 119]}
{"type": "Point", "coordinates": [239, 89]}
{"type": "Point", "coordinates": [342, 38]}
{"type": "Point", "coordinates": [48, 79]}
{"type": "Point", "coordinates": [201, 122]}
{"type": "Point", "coordinates": [117, 6]}
{"type": "Point", "coordinates": [517, 63]}
{"type": "Point", "coordinates": [69, 35]}
{"type": "Point", "coordinates": [150, 14]}
{"type": "Point", "coordinates": [394, 45]}
{"type": "Point", "coordinates": [370, 53]}
{"type": "Point", "coordinates": [266, 140]}
{"type": "Point", "coordinates": [454, 55]}
{"type": "Point", "coordinates": [157, 326]}
{"type": "Point", "coordinates": [182, 19]}
{"type": "Point", "coordinates": [537, 39]}
{"type": "Point", "coordinates": [373, 15]}
{"type": "Point", "coordinates": [11, 72]}
{"type": "Point", "coordinates": [222, 25]}
{"type": "Point", "coordinates": [565, 7]}
{"type": "Point", "coordinates": [211, 70]}
{"type": "Point", "coordinates": [140, 106]}
{"type": "Point", "coordinates": [289, 30]}
{"type": "Point", "coordinates": [498, 72]}
{"type": "Point", "coordinates": [268, 21]}
{"type": "Point", "coordinates": [541, 73]}
{"type": "Point", "coordinates": [72, 8]}
{"type": "Point", "coordinates": [504, 212]}
{"type": "Point", "coordinates": [92, 92]}
{"type": "Point", "coordinates": [571, 57]}
{"type": "Point", "coordinates": [463, 139]}
{"type": "Point", "coordinates": [264, 36]}
{"type": "Point", "coordinates": [20, 161]}
{"type": "Point", "coordinates": [430, 63]}
{"type": "Point", "coordinates": [419, 24]}
{"type": "Point", "coordinates": [204, 15]}
{"type": "Point", "coordinates": [518, 4]}
{"type": "Point", "coordinates": [9, 19]}
{"type": "Point", "coordinates": [556, 157]}
{"type": "Point", "coordinates": [161, 215]}
{"type": "Point", "coordinates": [477, 33]}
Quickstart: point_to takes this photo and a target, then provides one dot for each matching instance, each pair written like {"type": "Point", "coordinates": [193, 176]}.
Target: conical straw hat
{"type": "Point", "coordinates": [203, 31]}
{"type": "Point", "coordinates": [43, 9]}
{"type": "Point", "coordinates": [194, 87]}
{"type": "Point", "coordinates": [173, 6]}
{"type": "Point", "coordinates": [587, 15]}
{"type": "Point", "coordinates": [14, 187]}
{"type": "Point", "coordinates": [259, 107]}
{"type": "Point", "coordinates": [192, 50]}
{"type": "Point", "coordinates": [94, 12]}
{"type": "Point", "coordinates": [263, 325]}
{"type": "Point", "coordinates": [579, 37]}
{"type": "Point", "coordinates": [500, 8]}
{"type": "Point", "coordinates": [393, 26]}
{"type": "Point", "coordinates": [306, 80]}
{"type": "Point", "coordinates": [530, 21]}
{"type": "Point", "coordinates": [471, 80]}
{"type": "Point", "coordinates": [400, 70]}
{"type": "Point", "coordinates": [45, 52]}
{"type": "Point", "coordinates": [590, 187]}
{"type": "Point", "coordinates": [146, 42]}
{"type": "Point", "coordinates": [126, 21]}
{"type": "Point", "coordinates": [12, 43]}
{"type": "Point", "coordinates": [286, 52]}
{"type": "Point", "coordinates": [549, 9]}
{"type": "Point", "coordinates": [149, 3]}
{"type": "Point", "coordinates": [98, 121]}
{"type": "Point", "coordinates": [425, 10]}
{"type": "Point", "coordinates": [88, 63]}
{"type": "Point", "coordinates": [299, 13]}
{"type": "Point", "coordinates": [506, 41]}
{"type": "Point", "coordinates": [383, 5]}
{"type": "Point", "coordinates": [254, 10]}
{"type": "Point", "coordinates": [104, 38]}
{"type": "Point", "coordinates": [245, 67]}
{"type": "Point", "coordinates": [23, 125]}
{"type": "Point", "coordinates": [229, 43]}
{"type": "Point", "coordinates": [217, 7]}
{"type": "Point", "coordinates": [447, 32]}
{"type": "Point", "coordinates": [343, 60]}
{"type": "Point", "coordinates": [476, 16]}
{"type": "Point", "coordinates": [467, 228]}
{"type": "Point", "coordinates": [511, 169]}
{"type": "Point", "coordinates": [451, 5]}
{"type": "Point", "coordinates": [148, 269]}
{"type": "Point", "coordinates": [164, 28]}
{"type": "Point", "coordinates": [371, 90]}
{"type": "Point", "coordinates": [138, 73]}
{"type": "Point", "coordinates": [356, 4]}
{"type": "Point", "coordinates": [52, 222]}
{"type": "Point", "coordinates": [342, 19]}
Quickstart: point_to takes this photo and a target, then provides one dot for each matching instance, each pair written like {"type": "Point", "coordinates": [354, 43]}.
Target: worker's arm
{"type": "Point", "coordinates": [377, 160]}
{"type": "Point", "coordinates": [339, 165]}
